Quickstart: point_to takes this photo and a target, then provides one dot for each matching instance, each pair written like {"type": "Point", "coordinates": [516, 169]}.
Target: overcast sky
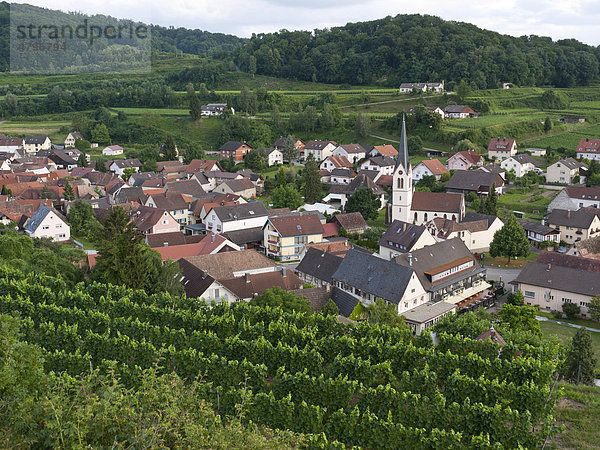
{"type": "Point", "coordinates": [558, 19]}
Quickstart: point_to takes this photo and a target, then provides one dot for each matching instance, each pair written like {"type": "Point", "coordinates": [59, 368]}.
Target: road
{"type": "Point", "coordinates": [545, 319]}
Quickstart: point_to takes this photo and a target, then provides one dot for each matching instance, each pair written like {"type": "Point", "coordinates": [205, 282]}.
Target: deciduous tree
{"type": "Point", "coordinates": [364, 201]}
{"type": "Point", "coordinates": [287, 196]}
{"type": "Point", "coordinates": [580, 364]}
{"type": "Point", "coordinates": [510, 240]}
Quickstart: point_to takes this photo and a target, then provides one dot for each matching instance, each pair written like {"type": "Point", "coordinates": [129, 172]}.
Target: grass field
{"type": "Point", "coordinates": [159, 111]}
{"type": "Point", "coordinates": [565, 333]}
{"type": "Point", "coordinates": [578, 410]}
{"type": "Point", "coordinates": [568, 140]}
{"type": "Point", "coordinates": [514, 263]}
{"type": "Point", "coordinates": [534, 202]}
{"type": "Point", "coordinates": [50, 128]}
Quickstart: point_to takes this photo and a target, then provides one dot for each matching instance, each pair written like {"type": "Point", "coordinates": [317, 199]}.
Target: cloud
{"type": "Point", "coordinates": [558, 19]}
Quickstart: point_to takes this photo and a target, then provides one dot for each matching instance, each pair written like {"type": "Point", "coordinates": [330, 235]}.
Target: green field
{"type": "Point", "coordinates": [50, 128]}
{"type": "Point", "coordinates": [565, 333]}
{"type": "Point", "coordinates": [532, 203]}
{"type": "Point", "coordinates": [159, 111]}
{"type": "Point", "coordinates": [567, 140]}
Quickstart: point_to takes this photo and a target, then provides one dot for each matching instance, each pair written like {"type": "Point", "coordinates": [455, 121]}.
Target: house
{"type": "Point", "coordinates": [368, 277]}
{"type": "Point", "coordinates": [521, 164]}
{"type": "Point", "coordinates": [298, 145]}
{"type": "Point", "coordinates": [233, 276]}
{"type": "Point", "coordinates": [408, 205]}
{"type": "Point", "coordinates": [383, 150]}
{"type": "Point", "coordinates": [11, 145]}
{"type": "Point", "coordinates": [274, 156]}
{"type": "Point", "coordinates": [172, 239]}
{"type": "Point", "coordinates": [319, 149]}
{"type": "Point", "coordinates": [402, 237]}
{"type": "Point", "coordinates": [154, 221]}
{"type": "Point", "coordinates": [476, 181]}
{"type": "Point", "coordinates": [335, 162]}
{"type": "Point", "coordinates": [382, 164]}
{"type": "Point", "coordinates": [178, 205]}
{"type": "Point", "coordinates": [341, 193]}
{"type": "Point", "coordinates": [465, 160]}
{"type": "Point", "coordinates": [588, 149]}
{"type": "Point", "coordinates": [429, 167]}
{"type": "Point", "coordinates": [447, 271]}
{"type": "Point", "coordinates": [202, 165]}
{"type": "Point", "coordinates": [352, 223]}
{"type": "Point", "coordinates": [234, 150]}
{"type": "Point", "coordinates": [549, 285]}
{"type": "Point", "coordinates": [437, 87]}
{"type": "Point", "coordinates": [243, 187]}
{"type": "Point", "coordinates": [112, 150]}
{"type": "Point", "coordinates": [427, 315]}
{"type": "Point", "coordinates": [564, 171]}
{"type": "Point", "coordinates": [571, 119]}
{"type": "Point", "coordinates": [338, 246]}
{"type": "Point", "coordinates": [575, 225]}
{"type": "Point", "coordinates": [537, 232]}
{"type": "Point", "coordinates": [432, 109]}
{"type": "Point", "coordinates": [209, 245]}
{"type": "Point", "coordinates": [213, 109]}
{"type": "Point", "coordinates": [587, 248]}
{"type": "Point", "coordinates": [501, 148]}
{"type": "Point", "coordinates": [47, 223]}
{"type": "Point", "coordinates": [341, 176]}
{"type": "Point", "coordinates": [62, 160]}
{"type": "Point", "coordinates": [285, 236]}
{"type": "Point", "coordinates": [536, 151]}
{"type": "Point", "coordinates": [191, 188]}
{"type": "Point", "coordinates": [459, 112]}
{"type": "Point", "coordinates": [34, 144]}
{"type": "Point", "coordinates": [256, 178]}
{"type": "Point", "coordinates": [317, 267]}
{"type": "Point", "coordinates": [353, 152]}
{"type": "Point", "coordinates": [72, 138]}
{"type": "Point", "coordinates": [475, 230]}
{"type": "Point", "coordinates": [575, 197]}
{"type": "Point", "coordinates": [172, 170]}
{"type": "Point", "coordinates": [118, 166]}
{"type": "Point", "coordinates": [226, 218]}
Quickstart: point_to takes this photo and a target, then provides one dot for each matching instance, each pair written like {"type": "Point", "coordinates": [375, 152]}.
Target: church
{"type": "Point", "coordinates": [418, 207]}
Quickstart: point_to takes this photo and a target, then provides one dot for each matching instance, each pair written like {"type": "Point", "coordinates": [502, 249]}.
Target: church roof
{"type": "Point", "coordinates": [403, 149]}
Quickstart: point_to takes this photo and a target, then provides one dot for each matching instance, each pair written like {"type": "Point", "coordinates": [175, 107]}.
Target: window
{"type": "Point", "coordinates": [567, 300]}
{"type": "Point", "coordinates": [45, 227]}
{"type": "Point", "coordinates": [529, 294]}
{"type": "Point", "coordinates": [59, 226]}
{"type": "Point", "coordinates": [217, 293]}
{"type": "Point", "coordinates": [298, 240]}
{"type": "Point", "coordinates": [584, 304]}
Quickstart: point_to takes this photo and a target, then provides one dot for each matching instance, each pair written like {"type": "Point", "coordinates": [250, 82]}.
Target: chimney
{"type": "Point", "coordinates": [409, 256]}
{"type": "Point", "coordinates": [549, 267]}
{"type": "Point", "coordinates": [203, 274]}
{"type": "Point", "coordinates": [212, 237]}
{"type": "Point", "coordinates": [568, 213]}
{"type": "Point", "coordinates": [247, 277]}
{"type": "Point", "coordinates": [284, 272]}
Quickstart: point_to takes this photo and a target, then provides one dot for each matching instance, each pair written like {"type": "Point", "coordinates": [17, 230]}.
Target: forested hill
{"type": "Point", "coordinates": [196, 42]}
{"type": "Point", "coordinates": [409, 48]}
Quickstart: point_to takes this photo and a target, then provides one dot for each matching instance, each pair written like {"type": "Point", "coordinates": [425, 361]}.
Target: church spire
{"type": "Point", "coordinates": [403, 148]}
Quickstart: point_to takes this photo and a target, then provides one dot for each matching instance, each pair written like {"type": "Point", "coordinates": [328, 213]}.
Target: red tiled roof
{"type": "Point", "coordinates": [205, 247]}
{"type": "Point", "coordinates": [386, 150]}
{"type": "Point", "coordinates": [437, 201]}
{"type": "Point", "coordinates": [587, 145]}
{"type": "Point", "coordinates": [435, 166]}
{"type": "Point", "coordinates": [501, 144]}
{"type": "Point", "coordinates": [330, 229]}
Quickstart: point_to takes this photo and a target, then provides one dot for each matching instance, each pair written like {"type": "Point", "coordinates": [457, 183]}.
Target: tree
{"type": "Point", "coordinates": [580, 363]}
{"type": "Point", "coordinates": [82, 219]}
{"type": "Point", "coordinates": [46, 193]}
{"type": "Point", "coordinates": [330, 309]}
{"type": "Point", "coordinates": [364, 201]}
{"type": "Point", "coordinates": [312, 181]}
{"type": "Point", "coordinates": [363, 125]}
{"type": "Point", "coordinates": [195, 107]}
{"type": "Point", "coordinates": [193, 151]}
{"type": "Point", "coordinates": [252, 65]}
{"type": "Point", "coordinates": [510, 240]}
{"type": "Point", "coordinates": [170, 149]}
{"type": "Point", "coordinates": [82, 144]}
{"type": "Point", "coordinates": [381, 312]}
{"type": "Point", "coordinates": [464, 145]}
{"type": "Point", "coordinates": [516, 299]}
{"type": "Point", "coordinates": [331, 117]}
{"type": "Point", "coordinates": [82, 160]}
{"type": "Point", "coordinates": [520, 318]}
{"type": "Point", "coordinates": [68, 193]}
{"type": "Point", "coordinates": [281, 177]}
{"type": "Point", "coordinates": [127, 172]}
{"type": "Point", "coordinates": [288, 301]}
{"type": "Point", "coordinates": [255, 160]}
{"type": "Point", "coordinates": [463, 90]}
{"type": "Point", "coordinates": [594, 307]}
{"type": "Point", "coordinates": [571, 310]}
{"type": "Point", "coordinates": [289, 150]}
{"type": "Point", "coordinates": [547, 125]}
{"type": "Point", "coordinates": [415, 145]}
{"type": "Point", "coordinates": [287, 196]}
{"type": "Point", "coordinates": [490, 205]}
{"type": "Point", "coordinates": [100, 134]}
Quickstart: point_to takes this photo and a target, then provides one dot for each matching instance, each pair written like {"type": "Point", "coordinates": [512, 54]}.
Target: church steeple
{"type": "Point", "coordinates": [403, 148]}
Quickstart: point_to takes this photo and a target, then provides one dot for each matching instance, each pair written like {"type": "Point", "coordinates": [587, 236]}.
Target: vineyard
{"type": "Point", "coordinates": [357, 385]}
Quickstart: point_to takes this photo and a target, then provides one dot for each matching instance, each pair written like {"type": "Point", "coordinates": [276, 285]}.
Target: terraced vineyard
{"type": "Point", "coordinates": [358, 385]}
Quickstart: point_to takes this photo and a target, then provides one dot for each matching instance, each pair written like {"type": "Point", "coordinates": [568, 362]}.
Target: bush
{"type": "Point", "coordinates": [571, 310]}
{"type": "Point", "coordinates": [556, 314]}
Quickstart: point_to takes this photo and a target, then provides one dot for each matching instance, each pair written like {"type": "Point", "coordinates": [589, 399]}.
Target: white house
{"type": "Point", "coordinates": [335, 162]}
{"type": "Point", "coordinates": [112, 150]}
{"type": "Point", "coordinates": [475, 230]}
{"type": "Point", "coordinates": [71, 138]}
{"type": "Point", "coordinates": [437, 87]}
{"type": "Point", "coordinates": [274, 156]}
{"type": "Point", "coordinates": [34, 144]}
{"type": "Point", "coordinates": [564, 171]}
{"type": "Point", "coordinates": [521, 164]}
{"type": "Point", "coordinates": [342, 176]}
{"type": "Point", "coordinates": [429, 167]}
{"type": "Point", "coordinates": [588, 149]}
{"type": "Point", "coordinates": [575, 197]}
{"type": "Point", "coordinates": [353, 152]}
{"type": "Point", "coordinates": [214, 109]}
{"type": "Point", "coordinates": [118, 166]}
{"type": "Point", "coordinates": [222, 219]}
{"type": "Point", "coordinates": [536, 151]}
{"type": "Point", "coordinates": [11, 145]}
{"type": "Point", "coordinates": [402, 237]}
{"type": "Point", "coordinates": [319, 149]}
{"type": "Point", "coordinates": [48, 223]}
{"type": "Point", "coordinates": [500, 148]}
{"type": "Point", "coordinates": [382, 164]}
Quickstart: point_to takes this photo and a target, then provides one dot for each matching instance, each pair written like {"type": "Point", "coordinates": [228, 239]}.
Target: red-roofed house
{"type": "Point", "coordinates": [330, 229]}
{"type": "Point", "coordinates": [465, 160]}
{"type": "Point", "coordinates": [501, 148]}
{"type": "Point", "coordinates": [209, 245]}
{"type": "Point", "coordinates": [429, 167]}
{"type": "Point", "coordinates": [384, 150]}
{"type": "Point", "coordinates": [335, 162]}
{"type": "Point", "coordinates": [588, 148]}
{"type": "Point", "coordinates": [153, 221]}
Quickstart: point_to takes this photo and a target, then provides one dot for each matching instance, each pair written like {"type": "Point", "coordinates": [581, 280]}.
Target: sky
{"type": "Point", "coordinates": [558, 19]}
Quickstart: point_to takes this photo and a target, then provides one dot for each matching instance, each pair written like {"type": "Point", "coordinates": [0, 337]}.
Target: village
{"type": "Point", "coordinates": [430, 257]}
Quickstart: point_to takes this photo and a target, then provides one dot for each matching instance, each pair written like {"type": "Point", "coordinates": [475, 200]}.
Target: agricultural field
{"type": "Point", "coordinates": [533, 203]}
{"type": "Point", "coordinates": [50, 128]}
{"type": "Point", "coordinates": [568, 140]}
{"type": "Point", "coordinates": [158, 111]}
